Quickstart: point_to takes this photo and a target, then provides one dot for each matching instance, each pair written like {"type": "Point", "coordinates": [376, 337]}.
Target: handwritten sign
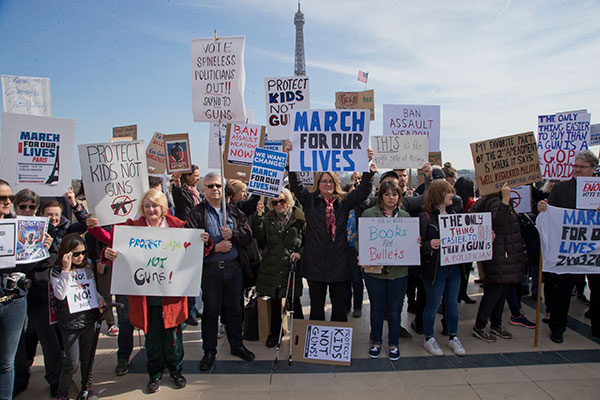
{"type": "Point", "coordinates": [115, 177]}
{"type": "Point", "coordinates": [400, 151]}
{"type": "Point", "coordinates": [177, 150]}
{"type": "Point", "coordinates": [594, 135]}
{"type": "Point", "coordinates": [570, 240]}
{"type": "Point", "coordinates": [435, 158]}
{"type": "Point", "coordinates": [267, 173]}
{"type": "Point", "coordinates": [283, 96]}
{"type": "Point", "coordinates": [521, 197]}
{"type": "Point", "coordinates": [31, 233]}
{"type": "Point", "coordinates": [156, 157]}
{"type": "Point", "coordinates": [129, 131]}
{"type": "Point", "coordinates": [322, 342]}
{"type": "Point", "coordinates": [465, 238]}
{"type": "Point", "coordinates": [218, 79]}
{"type": "Point", "coordinates": [307, 178]}
{"type": "Point", "coordinates": [388, 241]}
{"type": "Point", "coordinates": [330, 140]}
{"type": "Point", "coordinates": [157, 261]}
{"type": "Point", "coordinates": [404, 119]}
{"type": "Point", "coordinates": [364, 100]}
{"type": "Point", "coordinates": [588, 192]}
{"type": "Point", "coordinates": [26, 95]}
{"type": "Point", "coordinates": [8, 241]}
{"type": "Point", "coordinates": [242, 140]}
{"type": "Point", "coordinates": [560, 138]}
{"type": "Point", "coordinates": [81, 291]}
{"type": "Point", "coordinates": [508, 159]}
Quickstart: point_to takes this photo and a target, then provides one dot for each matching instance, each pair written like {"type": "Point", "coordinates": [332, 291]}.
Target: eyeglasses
{"type": "Point", "coordinates": [214, 185]}
{"type": "Point", "coordinates": [78, 253]}
{"type": "Point", "coordinates": [4, 199]}
{"type": "Point", "coordinates": [280, 201]}
{"type": "Point", "coordinates": [24, 207]}
{"type": "Point", "coordinates": [326, 182]}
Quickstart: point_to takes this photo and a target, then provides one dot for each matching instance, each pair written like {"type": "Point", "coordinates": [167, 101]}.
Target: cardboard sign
{"type": "Point", "coordinates": [594, 135]}
{"type": "Point", "coordinates": [388, 241]}
{"type": "Point", "coordinates": [364, 100]}
{"type": "Point", "coordinates": [404, 119]}
{"type": "Point", "coordinates": [129, 131]}
{"type": "Point", "coordinates": [264, 317]}
{"type": "Point", "coordinates": [330, 140]}
{"type": "Point", "coordinates": [508, 159]}
{"type": "Point", "coordinates": [240, 142]}
{"type": "Point", "coordinates": [157, 261]}
{"type": "Point", "coordinates": [156, 158]}
{"type": "Point", "coordinates": [81, 292]}
{"type": "Point", "coordinates": [570, 240]}
{"type": "Point", "coordinates": [115, 177]}
{"type": "Point", "coordinates": [588, 192]}
{"type": "Point", "coordinates": [266, 176]}
{"type": "Point", "coordinates": [521, 196]}
{"type": "Point", "coordinates": [400, 151]}
{"type": "Point", "coordinates": [37, 153]}
{"type": "Point", "coordinates": [8, 238]}
{"type": "Point", "coordinates": [26, 95]}
{"type": "Point", "coordinates": [177, 150]}
{"type": "Point", "coordinates": [218, 79]}
{"type": "Point", "coordinates": [465, 238]}
{"type": "Point", "coordinates": [560, 138]}
{"type": "Point", "coordinates": [322, 342]}
{"type": "Point", "coordinates": [30, 239]}
{"type": "Point", "coordinates": [435, 158]}
{"type": "Point", "coordinates": [283, 96]}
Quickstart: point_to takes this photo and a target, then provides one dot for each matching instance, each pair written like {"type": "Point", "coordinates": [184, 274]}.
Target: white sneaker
{"type": "Point", "coordinates": [456, 346]}
{"type": "Point", "coordinates": [433, 347]}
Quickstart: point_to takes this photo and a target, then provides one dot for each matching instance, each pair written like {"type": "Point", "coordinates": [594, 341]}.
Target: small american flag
{"type": "Point", "coordinates": [363, 76]}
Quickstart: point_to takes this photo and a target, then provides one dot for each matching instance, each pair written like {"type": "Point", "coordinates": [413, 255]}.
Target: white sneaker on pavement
{"type": "Point", "coordinates": [433, 347]}
{"type": "Point", "coordinates": [456, 346]}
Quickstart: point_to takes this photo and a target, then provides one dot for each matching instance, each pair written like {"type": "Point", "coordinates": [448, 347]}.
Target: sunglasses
{"type": "Point", "coordinates": [280, 201]}
{"type": "Point", "coordinates": [4, 199]}
{"type": "Point", "coordinates": [24, 207]}
{"type": "Point", "coordinates": [78, 253]}
{"type": "Point", "coordinates": [214, 185]}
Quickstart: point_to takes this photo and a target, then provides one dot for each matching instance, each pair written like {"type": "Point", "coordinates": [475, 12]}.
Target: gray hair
{"type": "Point", "coordinates": [212, 175]}
{"type": "Point", "coordinates": [588, 157]}
{"type": "Point", "coordinates": [288, 196]}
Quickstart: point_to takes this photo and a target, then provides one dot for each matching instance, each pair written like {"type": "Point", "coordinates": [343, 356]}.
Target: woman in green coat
{"type": "Point", "coordinates": [280, 234]}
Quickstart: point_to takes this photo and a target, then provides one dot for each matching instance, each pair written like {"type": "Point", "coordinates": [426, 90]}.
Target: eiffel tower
{"type": "Point", "coordinates": [299, 64]}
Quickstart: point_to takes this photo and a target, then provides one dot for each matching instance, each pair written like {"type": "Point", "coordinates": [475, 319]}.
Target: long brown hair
{"type": "Point", "coordinates": [70, 242]}
{"type": "Point", "coordinates": [337, 189]}
{"type": "Point", "coordinates": [434, 196]}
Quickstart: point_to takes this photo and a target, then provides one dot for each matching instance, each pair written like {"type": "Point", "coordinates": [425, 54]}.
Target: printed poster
{"type": "Point", "coordinates": [284, 96]}
{"type": "Point", "coordinates": [30, 239]}
{"type": "Point", "coordinates": [26, 95]}
{"type": "Point", "coordinates": [177, 150]}
{"type": "Point", "coordinates": [588, 193]}
{"type": "Point", "coordinates": [267, 173]}
{"type": "Point", "coordinates": [8, 238]}
{"type": "Point", "coordinates": [465, 238]}
{"type": "Point", "coordinates": [405, 119]}
{"type": "Point", "coordinates": [594, 135]}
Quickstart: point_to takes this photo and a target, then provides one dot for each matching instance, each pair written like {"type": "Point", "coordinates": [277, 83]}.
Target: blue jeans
{"type": "Point", "coordinates": [386, 294]}
{"type": "Point", "coordinates": [446, 283]}
{"type": "Point", "coordinates": [12, 319]}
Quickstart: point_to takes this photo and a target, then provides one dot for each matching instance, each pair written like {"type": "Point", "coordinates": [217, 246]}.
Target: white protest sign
{"type": "Point", "coordinates": [214, 156]}
{"type": "Point", "coordinates": [307, 178]}
{"type": "Point", "coordinates": [283, 96]}
{"type": "Point", "coordinates": [275, 145]}
{"type": "Point", "coordinates": [330, 140]}
{"type": "Point", "coordinates": [388, 241]}
{"type": "Point", "coordinates": [81, 292]}
{"type": "Point", "coordinates": [570, 240]}
{"type": "Point", "coordinates": [560, 137]}
{"type": "Point", "coordinates": [8, 235]}
{"type": "Point", "coordinates": [322, 342]}
{"type": "Point", "coordinates": [405, 119]}
{"type": "Point", "coordinates": [115, 177]}
{"type": "Point", "coordinates": [157, 261]}
{"type": "Point", "coordinates": [400, 151]}
{"type": "Point", "coordinates": [266, 176]}
{"type": "Point", "coordinates": [465, 238]}
{"type": "Point", "coordinates": [218, 79]}
{"type": "Point", "coordinates": [521, 196]}
{"type": "Point", "coordinates": [588, 192]}
{"type": "Point", "coordinates": [26, 95]}
{"type": "Point", "coordinates": [37, 153]}
{"type": "Point", "coordinates": [594, 135]}
{"type": "Point", "coordinates": [30, 239]}
{"type": "Point", "coordinates": [242, 140]}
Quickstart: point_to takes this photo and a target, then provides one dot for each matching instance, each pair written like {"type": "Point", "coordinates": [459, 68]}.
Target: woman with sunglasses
{"type": "Point", "coordinates": [280, 233]}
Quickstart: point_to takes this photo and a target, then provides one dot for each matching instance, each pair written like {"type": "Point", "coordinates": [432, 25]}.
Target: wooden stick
{"type": "Point", "coordinates": [539, 303]}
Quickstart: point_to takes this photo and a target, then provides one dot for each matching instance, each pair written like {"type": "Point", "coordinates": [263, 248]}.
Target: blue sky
{"type": "Point", "coordinates": [492, 66]}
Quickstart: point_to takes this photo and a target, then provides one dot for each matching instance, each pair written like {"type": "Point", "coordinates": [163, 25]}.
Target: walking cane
{"type": "Point", "coordinates": [292, 279]}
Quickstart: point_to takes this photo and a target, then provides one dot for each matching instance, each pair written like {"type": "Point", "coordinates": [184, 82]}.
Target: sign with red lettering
{"type": "Point", "coordinates": [156, 157]}
{"type": "Point", "coordinates": [240, 142]}
{"type": "Point", "coordinates": [588, 192]}
{"type": "Point", "coordinates": [465, 238]}
{"type": "Point", "coordinates": [283, 96]}
{"type": "Point", "coordinates": [408, 119]}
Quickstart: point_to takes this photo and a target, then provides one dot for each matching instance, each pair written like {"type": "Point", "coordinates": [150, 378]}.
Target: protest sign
{"type": "Point", "coordinates": [330, 140]}
{"type": "Point", "coordinates": [400, 151]}
{"type": "Point", "coordinates": [218, 79]}
{"type": "Point", "coordinates": [240, 142]}
{"type": "Point", "coordinates": [388, 241]}
{"type": "Point", "coordinates": [177, 150]}
{"type": "Point", "coordinates": [560, 137]}
{"type": "Point", "coordinates": [594, 135]}
{"type": "Point", "coordinates": [284, 96]}
{"type": "Point", "coordinates": [588, 192]}
{"type": "Point", "coordinates": [465, 238]}
{"type": "Point", "coordinates": [508, 159]}
{"type": "Point", "coordinates": [115, 177]}
{"type": "Point", "coordinates": [364, 100]}
{"type": "Point", "coordinates": [322, 342]}
{"type": "Point", "coordinates": [435, 158]}
{"type": "Point", "coordinates": [307, 178]}
{"type": "Point", "coordinates": [570, 240]}
{"type": "Point", "coordinates": [128, 131]}
{"type": "Point", "coordinates": [404, 119]}
{"type": "Point", "coordinates": [521, 197]}
{"type": "Point", "coordinates": [37, 152]}
{"type": "Point", "coordinates": [156, 157]}
{"type": "Point", "coordinates": [267, 172]}
{"type": "Point", "coordinates": [31, 233]}
{"type": "Point", "coordinates": [157, 261]}
{"type": "Point", "coordinates": [275, 145]}
{"type": "Point", "coordinates": [81, 291]}
{"type": "Point", "coordinates": [26, 95]}
{"type": "Point", "coordinates": [214, 155]}
{"type": "Point", "coordinates": [8, 237]}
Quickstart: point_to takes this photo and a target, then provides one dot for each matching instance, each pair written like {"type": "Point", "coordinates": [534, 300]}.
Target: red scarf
{"type": "Point", "coordinates": [330, 217]}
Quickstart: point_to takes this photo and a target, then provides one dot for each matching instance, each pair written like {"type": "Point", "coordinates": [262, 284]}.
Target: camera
{"type": "Point", "coordinates": [15, 280]}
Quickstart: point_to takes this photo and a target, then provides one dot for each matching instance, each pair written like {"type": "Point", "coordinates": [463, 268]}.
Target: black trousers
{"type": "Point", "coordinates": [276, 314]}
{"type": "Point", "coordinates": [594, 282]}
{"type": "Point", "coordinates": [558, 300]}
{"type": "Point", "coordinates": [356, 286]}
{"type": "Point", "coordinates": [78, 350]}
{"type": "Point", "coordinates": [420, 300]}
{"type": "Point", "coordinates": [337, 294]}
{"type": "Point", "coordinates": [491, 305]}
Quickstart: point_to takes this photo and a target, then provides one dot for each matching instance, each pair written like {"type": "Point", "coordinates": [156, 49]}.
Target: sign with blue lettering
{"type": "Point", "coordinates": [465, 238]}
{"type": "Point", "coordinates": [388, 241]}
{"type": "Point", "coordinates": [283, 96]}
{"type": "Point", "coordinates": [330, 140]}
{"type": "Point", "coordinates": [267, 172]}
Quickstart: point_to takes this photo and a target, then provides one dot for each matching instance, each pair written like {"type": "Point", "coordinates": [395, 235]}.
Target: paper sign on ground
{"type": "Point", "coordinates": [31, 233]}
{"type": "Point", "coordinates": [37, 153]}
{"type": "Point", "coordinates": [330, 140]}
{"type": "Point", "coordinates": [156, 157]}
{"type": "Point", "coordinates": [388, 241]}
{"type": "Point", "coordinates": [594, 135]}
{"type": "Point", "coordinates": [128, 131]}
{"type": "Point", "coordinates": [322, 342]}
{"type": "Point", "coordinates": [465, 238]}
{"type": "Point", "coordinates": [157, 261]}
{"type": "Point", "coordinates": [218, 79]}
{"type": "Point", "coordinates": [240, 142]}
{"type": "Point", "coordinates": [364, 100]}
{"type": "Point", "coordinates": [26, 95]}
{"type": "Point", "coordinates": [509, 159]}
{"type": "Point", "coordinates": [570, 240]}
{"type": "Point", "coordinates": [115, 177]}
{"type": "Point", "coordinates": [267, 173]}
{"type": "Point", "coordinates": [405, 119]}
{"type": "Point", "coordinates": [177, 150]}
{"type": "Point", "coordinates": [284, 96]}
{"type": "Point", "coordinates": [8, 237]}
{"type": "Point", "coordinates": [588, 192]}
{"type": "Point", "coordinates": [81, 292]}
{"type": "Point", "coordinates": [521, 196]}
{"type": "Point", "coordinates": [400, 151]}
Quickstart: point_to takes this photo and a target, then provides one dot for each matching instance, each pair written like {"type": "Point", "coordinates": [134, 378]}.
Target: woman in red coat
{"type": "Point", "coordinates": [159, 317]}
